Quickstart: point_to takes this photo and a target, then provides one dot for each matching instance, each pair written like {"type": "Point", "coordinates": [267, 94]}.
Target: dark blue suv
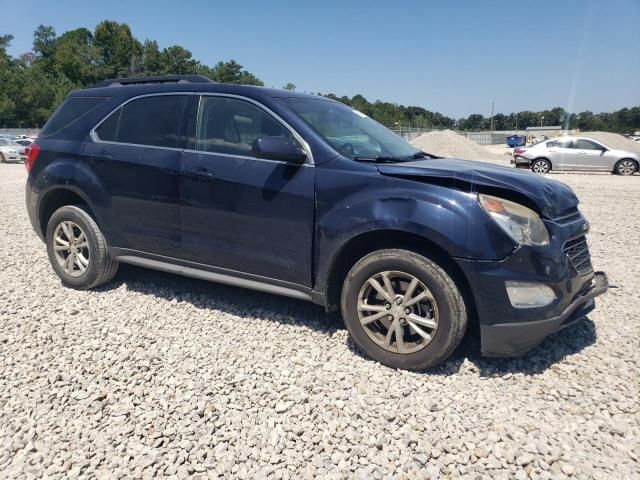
{"type": "Point", "coordinates": [302, 196]}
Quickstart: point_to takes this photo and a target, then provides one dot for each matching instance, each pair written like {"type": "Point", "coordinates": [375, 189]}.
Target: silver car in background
{"type": "Point", "coordinates": [575, 153]}
{"type": "Point", "coordinates": [11, 151]}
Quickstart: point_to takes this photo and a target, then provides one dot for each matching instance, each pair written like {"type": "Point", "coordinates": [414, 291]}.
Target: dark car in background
{"type": "Point", "coordinates": [303, 196]}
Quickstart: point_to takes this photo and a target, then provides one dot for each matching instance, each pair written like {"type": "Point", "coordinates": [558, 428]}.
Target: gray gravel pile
{"type": "Point", "coordinates": [614, 140]}
{"type": "Point", "coordinates": [158, 375]}
{"type": "Point", "coordinates": [447, 143]}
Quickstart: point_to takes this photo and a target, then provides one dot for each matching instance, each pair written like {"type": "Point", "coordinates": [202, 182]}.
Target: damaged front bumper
{"type": "Point", "coordinates": [514, 339]}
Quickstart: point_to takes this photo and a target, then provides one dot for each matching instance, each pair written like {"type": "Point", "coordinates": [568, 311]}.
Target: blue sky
{"type": "Point", "coordinates": [454, 57]}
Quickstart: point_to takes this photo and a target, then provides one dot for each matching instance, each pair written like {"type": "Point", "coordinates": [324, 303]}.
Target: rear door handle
{"type": "Point", "coordinates": [102, 157]}
{"type": "Point", "coordinates": [203, 171]}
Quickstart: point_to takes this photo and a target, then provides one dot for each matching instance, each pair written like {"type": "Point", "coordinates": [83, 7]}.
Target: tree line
{"type": "Point", "coordinates": [35, 83]}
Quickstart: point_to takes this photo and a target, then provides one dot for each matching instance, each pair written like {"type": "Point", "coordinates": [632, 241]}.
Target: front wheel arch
{"type": "Point", "coordinates": [615, 167]}
{"type": "Point", "coordinates": [368, 242]}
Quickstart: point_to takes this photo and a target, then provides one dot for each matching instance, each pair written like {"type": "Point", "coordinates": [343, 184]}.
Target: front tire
{"type": "Point", "coordinates": [541, 166]}
{"type": "Point", "coordinates": [77, 249]}
{"type": "Point", "coordinates": [625, 167]}
{"type": "Point", "coordinates": [403, 310]}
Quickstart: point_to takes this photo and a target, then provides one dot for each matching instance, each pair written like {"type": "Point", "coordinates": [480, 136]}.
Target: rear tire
{"type": "Point", "coordinates": [541, 166]}
{"type": "Point", "coordinates": [77, 249]}
{"type": "Point", "coordinates": [430, 329]}
{"type": "Point", "coordinates": [625, 167]}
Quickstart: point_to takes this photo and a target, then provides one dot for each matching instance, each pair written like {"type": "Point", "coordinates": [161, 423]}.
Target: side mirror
{"type": "Point", "coordinates": [279, 148]}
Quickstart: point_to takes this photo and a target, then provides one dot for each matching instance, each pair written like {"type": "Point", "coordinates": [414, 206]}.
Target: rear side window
{"type": "Point", "coordinates": [559, 144]}
{"type": "Point", "coordinates": [72, 109]}
{"type": "Point", "coordinates": [583, 144]}
{"type": "Point", "coordinates": [153, 121]}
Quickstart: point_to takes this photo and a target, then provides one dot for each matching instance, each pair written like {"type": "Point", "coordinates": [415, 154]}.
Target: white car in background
{"type": "Point", "coordinates": [575, 153]}
{"type": "Point", "coordinates": [11, 151]}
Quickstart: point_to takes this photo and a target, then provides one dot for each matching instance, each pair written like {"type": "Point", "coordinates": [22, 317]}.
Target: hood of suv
{"type": "Point", "coordinates": [551, 197]}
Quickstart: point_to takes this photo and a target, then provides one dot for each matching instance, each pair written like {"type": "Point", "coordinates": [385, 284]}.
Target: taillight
{"type": "Point", "coordinates": [519, 151]}
{"type": "Point", "coordinates": [32, 152]}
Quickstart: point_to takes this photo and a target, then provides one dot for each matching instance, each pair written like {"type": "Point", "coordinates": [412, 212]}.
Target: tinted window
{"type": "Point", "coordinates": [228, 125]}
{"type": "Point", "coordinates": [566, 143]}
{"type": "Point", "coordinates": [71, 110]}
{"type": "Point", "coordinates": [583, 144]}
{"type": "Point", "coordinates": [108, 129]}
{"type": "Point", "coordinates": [151, 120]}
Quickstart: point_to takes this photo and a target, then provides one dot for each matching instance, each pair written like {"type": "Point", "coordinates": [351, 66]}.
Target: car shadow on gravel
{"type": "Point", "coordinates": [553, 350]}
{"type": "Point", "coordinates": [232, 300]}
{"type": "Point", "coordinates": [288, 311]}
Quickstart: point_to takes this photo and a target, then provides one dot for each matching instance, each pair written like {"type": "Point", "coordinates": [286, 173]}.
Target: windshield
{"type": "Point", "coordinates": [351, 132]}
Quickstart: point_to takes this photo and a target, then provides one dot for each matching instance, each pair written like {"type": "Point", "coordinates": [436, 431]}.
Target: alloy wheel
{"type": "Point", "coordinates": [626, 167]}
{"type": "Point", "coordinates": [398, 312]}
{"type": "Point", "coordinates": [541, 167]}
{"type": "Point", "coordinates": [71, 248]}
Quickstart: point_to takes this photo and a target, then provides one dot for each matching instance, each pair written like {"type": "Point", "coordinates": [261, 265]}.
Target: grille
{"type": "Point", "coordinates": [578, 253]}
{"type": "Point", "coordinates": [568, 216]}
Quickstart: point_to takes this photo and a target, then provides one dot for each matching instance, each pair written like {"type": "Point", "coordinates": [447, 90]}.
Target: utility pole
{"type": "Point", "coordinates": [492, 105]}
{"type": "Point", "coordinates": [516, 123]}
{"type": "Point", "coordinates": [541, 120]}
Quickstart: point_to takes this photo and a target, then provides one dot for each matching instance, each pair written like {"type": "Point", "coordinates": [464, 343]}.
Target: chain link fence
{"type": "Point", "coordinates": [481, 138]}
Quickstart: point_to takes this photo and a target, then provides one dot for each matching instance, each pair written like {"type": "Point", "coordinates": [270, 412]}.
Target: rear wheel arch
{"type": "Point", "coordinates": [361, 245]}
{"type": "Point", "coordinates": [542, 159]}
{"type": "Point", "coordinates": [57, 198]}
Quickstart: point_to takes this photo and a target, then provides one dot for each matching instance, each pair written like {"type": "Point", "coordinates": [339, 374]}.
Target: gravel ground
{"type": "Point", "coordinates": [447, 143]}
{"type": "Point", "coordinates": [158, 375]}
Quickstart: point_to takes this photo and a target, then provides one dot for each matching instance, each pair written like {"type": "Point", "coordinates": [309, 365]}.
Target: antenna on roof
{"type": "Point", "coordinates": [118, 82]}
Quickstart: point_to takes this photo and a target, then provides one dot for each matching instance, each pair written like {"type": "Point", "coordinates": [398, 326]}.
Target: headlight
{"type": "Point", "coordinates": [521, 223]}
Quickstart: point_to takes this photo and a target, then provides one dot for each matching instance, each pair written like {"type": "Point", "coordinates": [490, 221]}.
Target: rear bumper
{"type": "Point", "coordinates": [514, 339]}
{"type": "Point", "coordinates": [520, 162]}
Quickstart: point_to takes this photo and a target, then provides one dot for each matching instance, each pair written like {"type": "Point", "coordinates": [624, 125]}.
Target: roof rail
{"type": "Point", "coordinates": [116, 82]}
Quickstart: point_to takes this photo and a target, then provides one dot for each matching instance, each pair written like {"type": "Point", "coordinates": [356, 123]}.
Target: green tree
{"type": "Point", "coordinates": [120, 52]}
{"type": "Point", "coordinates": [289, 86]}
{"type": "Point", "coordinates": [233, 72]}
{"type": "Point", "coordinates": [177, 60]}
{"type": "Point", "coordinates": [152, 61]}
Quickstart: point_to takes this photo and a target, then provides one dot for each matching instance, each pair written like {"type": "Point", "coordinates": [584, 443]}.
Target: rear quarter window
{"type": "Point", "coordinates": [71, 110]}
{"type": "Point", "coordinates": [153, 120]}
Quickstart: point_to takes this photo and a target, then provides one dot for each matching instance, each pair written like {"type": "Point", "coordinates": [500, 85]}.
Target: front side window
{"type": "Point", "coordinates": [231, 126]}
{"type": "Point", "coordinates": [350, 132]}
{"type": "Point", "coordinates": [153, 121]}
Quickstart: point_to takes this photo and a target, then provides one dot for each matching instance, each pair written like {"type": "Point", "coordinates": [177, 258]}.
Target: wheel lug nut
{"type": "Point", "coordinates": [387, 306]}
{"type": "Point", "coordinates": [407, 311]}
{"type": "Point", "coordinates": [389, 317]}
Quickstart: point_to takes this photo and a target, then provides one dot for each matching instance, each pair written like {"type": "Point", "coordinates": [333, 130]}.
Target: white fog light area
{"type": "Point", "coordinates": [529, 295]}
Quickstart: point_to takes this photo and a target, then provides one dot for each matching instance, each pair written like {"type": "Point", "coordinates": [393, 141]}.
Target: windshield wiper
{"type": "Point", "coordinates": [379, 159]}
{"type": "Point", "coordinates": [419, 154]}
